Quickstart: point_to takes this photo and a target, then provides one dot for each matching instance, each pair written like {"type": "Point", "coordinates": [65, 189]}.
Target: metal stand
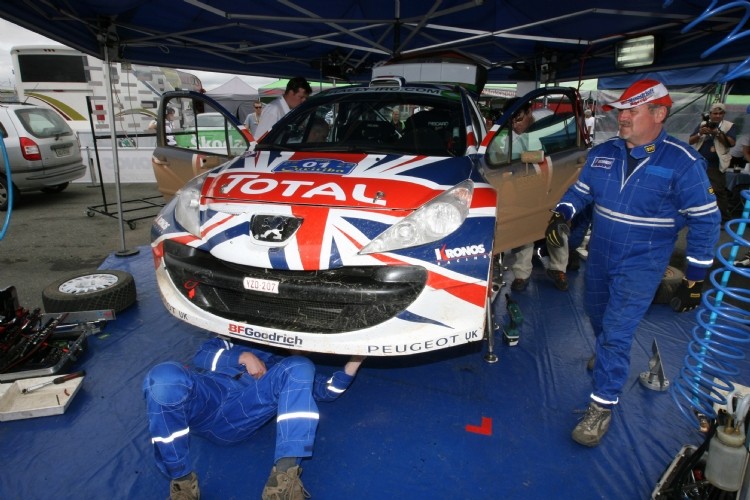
{"type": "Point", "coordinates": [489, 325]}
{"type": "Point", "coordinates": [655, 379]}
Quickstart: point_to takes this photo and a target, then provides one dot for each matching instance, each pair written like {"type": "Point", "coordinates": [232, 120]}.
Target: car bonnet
{"type": "Point", "coordinates": [369, 181]}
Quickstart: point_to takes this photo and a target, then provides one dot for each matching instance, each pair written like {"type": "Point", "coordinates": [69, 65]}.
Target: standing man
{"type": "Point", "coordinates": [713, 139]}
{"type": "Point", "coordinates": [522, 257]}
{"type": "Point", "coordinates": [297, 91]}
{"type": "Point", "coordinates": [645, 186]}
{"type": "Point", "coordinates": [252, 119]}
{"type": "Point", "coordinates": [231, 392]}
{"type": "Point", "coordinates": [590, 122]}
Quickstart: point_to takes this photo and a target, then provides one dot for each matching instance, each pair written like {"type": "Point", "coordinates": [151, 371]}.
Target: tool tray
{"type": "Point", "coordinates": [33, 344]}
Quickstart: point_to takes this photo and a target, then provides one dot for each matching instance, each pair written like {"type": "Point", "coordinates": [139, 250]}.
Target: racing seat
{"type": "Point", "coordinates": [429, 132]}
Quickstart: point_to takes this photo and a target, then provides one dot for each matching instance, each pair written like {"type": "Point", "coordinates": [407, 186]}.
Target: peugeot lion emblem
{"type": "Point", "coordinates": [272, 229]}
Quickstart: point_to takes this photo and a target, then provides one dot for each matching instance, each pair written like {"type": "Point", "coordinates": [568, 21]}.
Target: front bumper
{"type": "Point", "coordinates": [374, 311]}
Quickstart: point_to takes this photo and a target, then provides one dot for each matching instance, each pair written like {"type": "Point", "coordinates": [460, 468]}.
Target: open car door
{"type": "Point", "coordinates": [531, 156]}
{"type": "Point", "coordinates": [194, 133]}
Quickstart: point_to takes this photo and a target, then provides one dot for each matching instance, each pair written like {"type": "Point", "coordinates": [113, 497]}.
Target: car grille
{"type": "Point", "coordinates": [329, 301]}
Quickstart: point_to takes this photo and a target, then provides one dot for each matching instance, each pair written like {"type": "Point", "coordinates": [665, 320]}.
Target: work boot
{"type": "Point", "coordinates": [285, 485]}
{"type": "Point", "coordinates": [558, 278]}
{"type": "Point", "coordinates": [574, 261]}
{"type": "Point", "coordinates": [519, 284]}
{"type": "Point", "coordinates": [593, 425]}
{"type": "Point", "coordinates": [185, 489]}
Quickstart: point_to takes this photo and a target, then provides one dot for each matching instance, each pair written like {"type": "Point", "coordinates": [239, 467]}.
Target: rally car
{"type": "Point", "coordinates": [358, 234]}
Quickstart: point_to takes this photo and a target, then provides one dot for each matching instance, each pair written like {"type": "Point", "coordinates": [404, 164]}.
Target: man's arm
{"type": "Point", "coordinates": [334, 386]}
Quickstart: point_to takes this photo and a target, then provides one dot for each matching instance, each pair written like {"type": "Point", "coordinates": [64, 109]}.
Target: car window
{"type": "Point", "coordinates": [43, 123]}
{"type": "Point", "coordinates": [195, 124]}
{"type": "Point", "coordinates": [401, 122]}
{"type": "Point", "coordinates": [546, 124]}
{"type": "Point", "coordinates": [3, 131]}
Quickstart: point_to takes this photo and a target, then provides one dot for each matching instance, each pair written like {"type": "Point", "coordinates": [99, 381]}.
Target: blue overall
{"type": "Point", "coordinates": [636, 221]}
{"type": "Point", "coordinates": [220, 401]}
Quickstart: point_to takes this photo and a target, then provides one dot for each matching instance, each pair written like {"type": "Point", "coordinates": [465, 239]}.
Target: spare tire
{"type": "Point", "coordinates": [668, 286]}
{"type": "Point", "coordinates": [91, 291]}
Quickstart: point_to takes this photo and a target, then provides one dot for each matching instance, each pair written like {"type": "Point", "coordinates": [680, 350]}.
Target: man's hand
{"type": "Point", "coordinates": [557, 231]}
{"type": "Point", "coordinates": [353, 365]}
{"type": "Point", "coordinates": [688, 296]}
{"type": "Point", "coordinates": [254, 366]}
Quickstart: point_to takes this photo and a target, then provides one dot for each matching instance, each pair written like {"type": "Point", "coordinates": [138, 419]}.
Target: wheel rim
{"type": "Point", "coordinates": [88, 283]}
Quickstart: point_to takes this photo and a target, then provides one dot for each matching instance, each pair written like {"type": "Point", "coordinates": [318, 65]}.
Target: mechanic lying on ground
{"type": "Point", "coordinates": [232, 391]}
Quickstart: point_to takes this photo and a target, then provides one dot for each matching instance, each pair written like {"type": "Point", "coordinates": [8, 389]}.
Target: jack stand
{"type": "Point", "coordinates": [654, 379]}
{"type": "Point", "coordinates": [515, 320]}
{"type": "Point", "coordinates": [490, 326]}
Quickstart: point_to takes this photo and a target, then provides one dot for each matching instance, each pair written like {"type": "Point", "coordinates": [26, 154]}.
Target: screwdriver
{"type": "Point", "coordinates": [58, 380]}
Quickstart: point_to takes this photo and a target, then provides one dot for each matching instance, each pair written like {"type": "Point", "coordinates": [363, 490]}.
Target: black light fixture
{"type": "Point", "coordinates": [635, 52]}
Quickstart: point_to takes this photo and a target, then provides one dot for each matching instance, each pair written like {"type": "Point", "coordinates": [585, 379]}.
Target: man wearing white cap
{"type": "Point", "coordinates": [714, 138]}
{"type": "Point", "coordinates": [645, 186]}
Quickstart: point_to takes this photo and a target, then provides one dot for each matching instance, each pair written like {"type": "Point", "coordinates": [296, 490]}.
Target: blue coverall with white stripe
{"type": "Point", "coordinates": [636, 222]}
{"type": "Point", "coordinates": [220, 401]}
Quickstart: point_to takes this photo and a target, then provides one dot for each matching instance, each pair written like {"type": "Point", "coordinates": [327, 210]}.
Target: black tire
{"type": "Point", "coordinates": [668, 286]}
{"type": "Point", "coordinates": [4, 193]}
{"type": "Point", "coordinates": [92, 291]}
{"type": "Point", "coordinates": [59, 188]}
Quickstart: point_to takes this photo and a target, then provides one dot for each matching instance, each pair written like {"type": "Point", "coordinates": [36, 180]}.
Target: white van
{"type": "Point", "coordinates": [43, 151]}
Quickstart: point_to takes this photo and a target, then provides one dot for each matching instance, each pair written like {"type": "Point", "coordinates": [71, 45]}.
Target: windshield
{"type": "Point", "coordinates": [410, 121]}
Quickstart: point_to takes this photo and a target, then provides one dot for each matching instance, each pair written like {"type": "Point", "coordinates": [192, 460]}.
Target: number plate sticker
{"type": "Point", "coordinates": [258, 285]}
{"type": "Point", "coordinates": [60, 152]}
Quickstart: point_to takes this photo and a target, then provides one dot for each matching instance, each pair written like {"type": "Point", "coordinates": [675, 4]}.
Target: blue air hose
{"type": "Point", "coordinates": [720, 338]}
{"type": "Point", "coordinates": [9, 183]}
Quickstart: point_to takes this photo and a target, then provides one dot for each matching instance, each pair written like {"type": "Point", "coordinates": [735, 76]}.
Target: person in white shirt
{"type": "Point", "coordinates": [590, 123]}
{"type": "Point", "coordinates": [297, 91]}
{"type": "Point", "coordinates": [252, 119]}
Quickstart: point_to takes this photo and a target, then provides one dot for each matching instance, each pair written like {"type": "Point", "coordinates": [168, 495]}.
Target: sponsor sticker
{"type": "Point", "coordinates": [600, 162]}
{"type": "Point", "coordinates": [316, 166]}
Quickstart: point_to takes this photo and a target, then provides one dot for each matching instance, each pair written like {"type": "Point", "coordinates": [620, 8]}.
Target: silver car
{"type": "Point", "coordinates": [43, 151]}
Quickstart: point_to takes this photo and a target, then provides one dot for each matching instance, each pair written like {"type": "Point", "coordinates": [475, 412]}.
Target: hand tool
{"type": "Point", "coordinates": [58, 380]}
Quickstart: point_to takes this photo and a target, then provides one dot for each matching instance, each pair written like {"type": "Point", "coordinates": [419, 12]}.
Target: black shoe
{"type": "Point", "coordinates": [574, 261]}
{"type": "Point", "coordinates": [558, 278]}
{"type": "Point", "coordinates": [519, 285]}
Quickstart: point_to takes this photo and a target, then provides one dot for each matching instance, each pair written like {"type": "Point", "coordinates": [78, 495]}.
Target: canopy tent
{"type": "Point", "coordinates": [521, 40]}
{"type": "Point", "coordinates": [235, 96]}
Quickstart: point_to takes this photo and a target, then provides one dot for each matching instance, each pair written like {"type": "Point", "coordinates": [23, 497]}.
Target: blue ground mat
{"type": "Point", "coordinates": [441, 425]}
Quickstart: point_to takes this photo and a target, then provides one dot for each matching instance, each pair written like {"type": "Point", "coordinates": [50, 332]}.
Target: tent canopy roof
{"type": "Point", "coordinates": [519, 39]}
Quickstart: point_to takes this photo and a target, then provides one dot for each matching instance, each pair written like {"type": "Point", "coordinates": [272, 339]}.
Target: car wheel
{"type": "Point", "coordinates": [55, 189]}
{"type": "Point", "coordinates": [668, 286]}
{"type": "Point", "coordinates": [92, 291]}
{"type": "Point", "coordinates": [5, 193]}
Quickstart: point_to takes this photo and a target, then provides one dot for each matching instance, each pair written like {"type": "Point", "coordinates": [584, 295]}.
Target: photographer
{"type": "Point", "coordinates": [713, 139]}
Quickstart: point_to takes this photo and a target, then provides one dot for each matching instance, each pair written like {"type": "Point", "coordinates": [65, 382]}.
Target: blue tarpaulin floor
{"type": "Point", "coordinates": [443, 425]}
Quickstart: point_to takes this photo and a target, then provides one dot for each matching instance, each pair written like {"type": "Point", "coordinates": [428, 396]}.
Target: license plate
{"type": "Point", "coordinates": [60, 152]}
{"type": "Point", "coordinates": [258, 285]}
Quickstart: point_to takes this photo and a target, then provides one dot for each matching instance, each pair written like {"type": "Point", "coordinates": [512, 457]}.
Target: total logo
{"type": "Point", "coordinates": [443, 253]}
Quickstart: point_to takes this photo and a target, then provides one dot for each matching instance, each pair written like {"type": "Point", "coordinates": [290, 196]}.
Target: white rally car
{"type": "Point", "coordinates": [360, 234]}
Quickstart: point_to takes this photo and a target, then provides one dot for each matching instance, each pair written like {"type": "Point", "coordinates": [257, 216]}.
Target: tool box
{"type": "Point", "coordinates": [33, 344]}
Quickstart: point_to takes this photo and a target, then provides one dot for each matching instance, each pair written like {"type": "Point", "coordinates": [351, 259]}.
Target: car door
{"type": "Point", "coordinates": [531, 170]}
{"type": "Point", "coordinates": [194, 133]}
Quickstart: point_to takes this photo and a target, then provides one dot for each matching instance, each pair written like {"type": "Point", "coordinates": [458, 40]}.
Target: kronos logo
{"type": "Point", "coordinates": [454, 253]}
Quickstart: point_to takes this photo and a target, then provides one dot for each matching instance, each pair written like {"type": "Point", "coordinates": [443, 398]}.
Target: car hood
{"type": "Point", "coordinates": [371, 181]}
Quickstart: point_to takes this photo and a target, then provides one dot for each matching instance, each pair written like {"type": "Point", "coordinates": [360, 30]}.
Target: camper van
{"type": "Point", "coordinates": [61, 78]}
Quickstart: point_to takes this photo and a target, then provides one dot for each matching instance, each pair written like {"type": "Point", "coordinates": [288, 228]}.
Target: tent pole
{"type": "Point", "coordinates": [123, 252]}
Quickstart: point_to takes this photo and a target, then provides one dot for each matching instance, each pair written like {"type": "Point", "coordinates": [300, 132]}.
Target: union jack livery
{"type": "Point", "coordinates": [341, 231]}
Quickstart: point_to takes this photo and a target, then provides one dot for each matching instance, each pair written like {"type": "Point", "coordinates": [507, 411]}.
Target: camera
{"type": "Point", "coordinates": [712, 124]}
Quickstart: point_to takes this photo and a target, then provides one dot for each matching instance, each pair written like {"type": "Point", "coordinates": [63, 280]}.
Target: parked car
{"type": "Point", "coordinates": [43, 151]}
{"type": "Point", "coordinates": [354, 237]}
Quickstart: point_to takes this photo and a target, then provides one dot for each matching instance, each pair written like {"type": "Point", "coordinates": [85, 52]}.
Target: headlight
{"type": "Point", "coordinates": [432, 221]}
{"type": "Point", "coordinates": [187, 210]}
